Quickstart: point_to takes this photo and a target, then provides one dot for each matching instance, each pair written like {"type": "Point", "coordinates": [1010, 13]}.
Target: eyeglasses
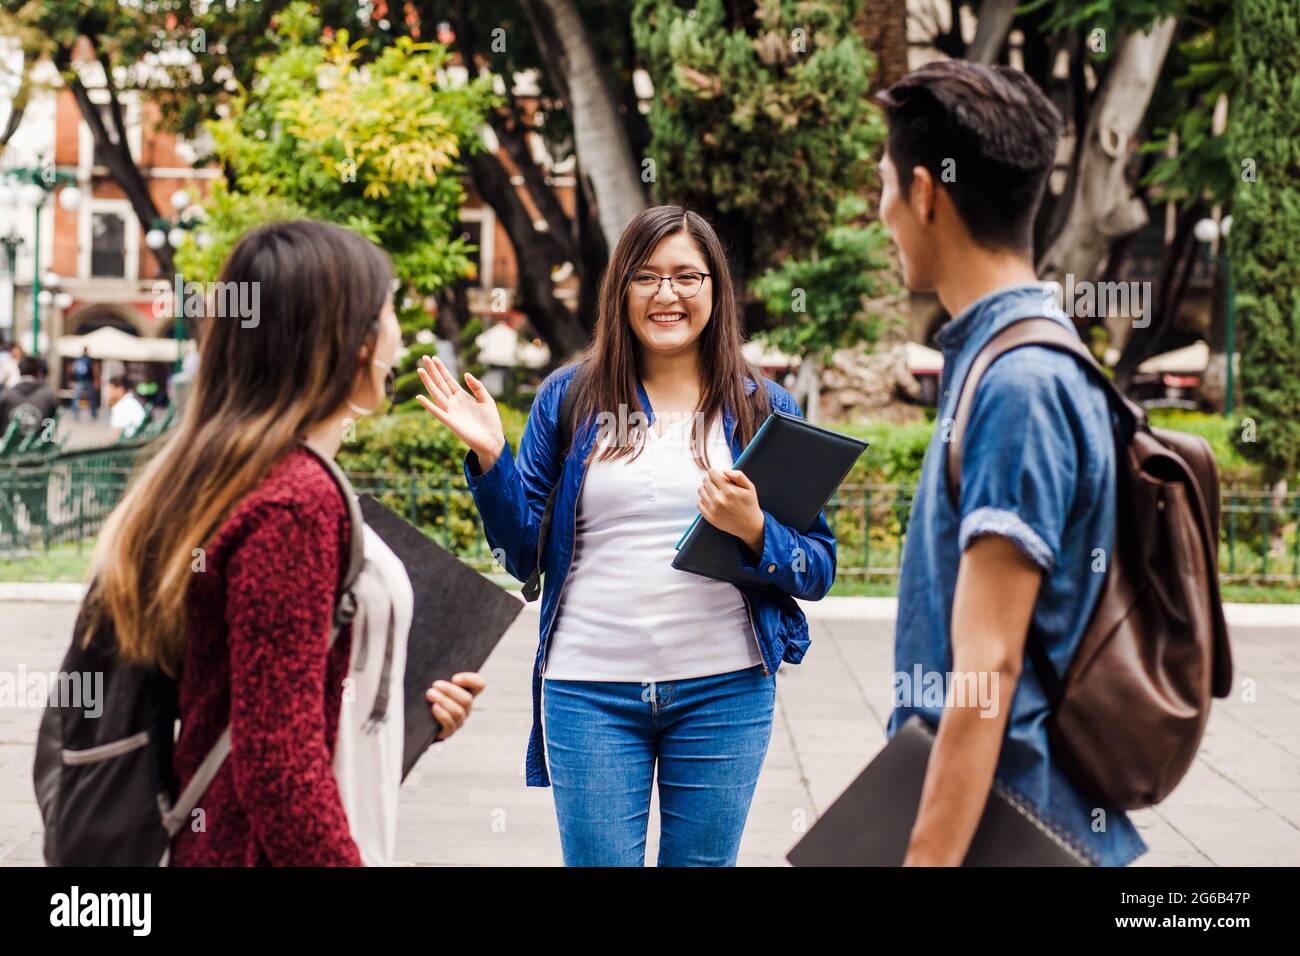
{"type": "Point", "coordinates": [685, 284]}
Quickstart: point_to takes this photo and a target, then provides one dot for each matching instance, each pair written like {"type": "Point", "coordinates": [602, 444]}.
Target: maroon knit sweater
{"type": "Point", "coordinates": [258, 632]}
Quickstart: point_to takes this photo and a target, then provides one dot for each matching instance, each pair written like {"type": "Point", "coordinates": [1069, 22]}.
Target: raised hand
{"type": "Point", "coordinates": [471, 413]}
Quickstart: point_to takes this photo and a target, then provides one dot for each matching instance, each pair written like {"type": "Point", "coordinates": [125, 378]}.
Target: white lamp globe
{"type": "Point", "coordinates": [155, 238]}
{"type": "Point", "coordinates": [204, 239]}
{"type": "Point", "coordinates": [45, 297]}
{"type": "Point", "coordinates": [8, 193]}
{"type": "Point", "coordinates": [33, 195]}
{"type": "Point", "coordinates": [63, 299]}
{"type": "Point", "coordinates": [1225, 225]}
{"type": "Point", "coordinates": [180, 199]}
{"type": "Point", "coordinates": [70, 198]}
{"type": "Point", "coordinates": [175, 236]}
{"type": "Point", "coordinates": [51, 279]}
{"type": "Point", "coordinates": [1206, 230]}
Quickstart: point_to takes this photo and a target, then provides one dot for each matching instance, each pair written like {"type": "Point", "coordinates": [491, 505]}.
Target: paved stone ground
{"type": "Point", "coordinates": [466, 804]}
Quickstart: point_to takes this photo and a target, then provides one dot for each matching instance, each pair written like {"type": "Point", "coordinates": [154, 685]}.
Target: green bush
{"type": "Point", "coordinates": [1221, 433]}
{"type": "Point", "coordinates": [415, 465]}
{"type": "Point", "coordinates": [1264, 131]}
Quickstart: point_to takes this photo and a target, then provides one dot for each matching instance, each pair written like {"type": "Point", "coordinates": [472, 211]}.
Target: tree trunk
{"type": "Point", "coordinates": [116, 151]}
{"type": "Point", "coordinates": [808, 387]}
{"type": "Point", "coordinates": [991, 30]}
{"type": "Point", "coordinates": [600, 137]}
{"type": "Point", "coordinates": [882, 24]}
{"type": "Point", "coordinates": [1102, 206]}
{"type": "Point", "coordinates": [1214, 382]}
{"type": "Point", "coordinates": [593, 256]}
{"type": "Point", "coordinates": [536, 253]}
{"type": "Point", "coordinates": [1142, 343]}
{"type": "Point", "coordinates": [18, 104]}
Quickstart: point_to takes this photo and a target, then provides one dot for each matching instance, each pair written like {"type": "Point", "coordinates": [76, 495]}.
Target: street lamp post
{"type": "Point", "coordinates": [33, 186]}
{"type": "Point", "coordinates": [1207, 231]}
{"type": "Point", "coordinates": [161, 233]}
{"type": "Point", "coordinates": [12, 242]}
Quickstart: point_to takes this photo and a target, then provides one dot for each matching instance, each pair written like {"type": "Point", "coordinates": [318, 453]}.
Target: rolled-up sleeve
{"type": "Point", "coordinates": [1020, 458]}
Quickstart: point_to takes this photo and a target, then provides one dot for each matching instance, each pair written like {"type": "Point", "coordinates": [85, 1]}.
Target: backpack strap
{"type": "Point", "coordinates": [1046, 333]}
{"type": "Point", "coordinates": [345, 607]}
{"type": "Point", "coordinates": [533, 586]}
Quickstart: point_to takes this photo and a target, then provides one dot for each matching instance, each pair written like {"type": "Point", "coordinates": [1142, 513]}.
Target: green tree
{"type": "Point", "coordinates": [819, 300]}
{"type": "Point", "coordinates": [183, 58]}
{"type": "Point", "coordinates": [762, 119]}
{"type": "Point", "coordinates": [1264, 132]}
{"type": "Point", "coordinates": [376, 150]}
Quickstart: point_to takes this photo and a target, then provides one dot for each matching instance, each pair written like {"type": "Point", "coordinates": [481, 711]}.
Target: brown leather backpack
{"type": "Point", "coordinates": [1127, 717]}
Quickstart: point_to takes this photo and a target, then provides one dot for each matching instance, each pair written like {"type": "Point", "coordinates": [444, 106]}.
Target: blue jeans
{"type": "Point", "coordinates": [709, 736]}
{"type": "Point", "coordinates": [87, 389]}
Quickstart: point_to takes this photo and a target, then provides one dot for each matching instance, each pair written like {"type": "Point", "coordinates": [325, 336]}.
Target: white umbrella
{"type": "Point", "coordinates": [109, 343]}
{"type": "Point", "coordinates": [1191, 360]}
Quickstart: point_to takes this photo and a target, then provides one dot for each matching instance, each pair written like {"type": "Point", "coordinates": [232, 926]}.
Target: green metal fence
{"type": "Point", "coordinates": [65, 499]}
{"type": "Point", "coordinates": [1259, 532]}
{"type": "Point", "coordinates": [62, 498]}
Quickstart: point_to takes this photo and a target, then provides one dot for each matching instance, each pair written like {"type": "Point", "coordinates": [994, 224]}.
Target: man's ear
{"type": "Point", "coordinates": [922, 196]}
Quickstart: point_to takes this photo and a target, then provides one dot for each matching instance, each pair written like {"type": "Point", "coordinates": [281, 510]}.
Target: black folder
{"type": "Point", "coordinates": [458, 618]}
{"type": "Point", "coordinates": [871, 822]}
{"type": "Point", "coordinates": [796, 467]}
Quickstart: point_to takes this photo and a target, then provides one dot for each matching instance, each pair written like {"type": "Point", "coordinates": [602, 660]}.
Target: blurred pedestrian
{"type": "Point", "coordinates": [30, 402]}
{"type": "Point", "coordinates": [83, 383]}
{"type": "Point", "coordinates": [126, 413]}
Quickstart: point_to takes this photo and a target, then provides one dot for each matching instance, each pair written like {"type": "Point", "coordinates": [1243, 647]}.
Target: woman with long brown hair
{"type": "Point", "coordinates": [642, 667]}
{"type": "Point", "coordinates": [223, 565]}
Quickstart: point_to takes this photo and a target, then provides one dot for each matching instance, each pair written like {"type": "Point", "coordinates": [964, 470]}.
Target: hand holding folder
{"type": "Point", "coordinates": [795, 467]}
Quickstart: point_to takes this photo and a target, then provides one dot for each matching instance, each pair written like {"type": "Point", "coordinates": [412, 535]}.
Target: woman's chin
{"type": "Point", "coordinates": [667, 340]}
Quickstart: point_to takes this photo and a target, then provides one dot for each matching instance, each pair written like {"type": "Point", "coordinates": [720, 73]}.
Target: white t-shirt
{"type": "Point", "coordinates": [626, 613]}
{"type": "Point", "coordinates": [368, 755]}
{"type": "Point", "coordinates": [127, 414]}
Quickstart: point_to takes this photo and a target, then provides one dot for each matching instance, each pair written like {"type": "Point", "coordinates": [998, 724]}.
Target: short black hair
{"type": "Point", "coordinates": [120, 381]}
{"type": "Point", "coordinates": [996, 126]}
{"type": "Point", "coordinates": [31, 365]}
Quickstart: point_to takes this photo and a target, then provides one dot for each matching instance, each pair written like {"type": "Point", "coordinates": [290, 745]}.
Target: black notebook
{"type": "Point", "coordinates": [458, 618]}
{"type": "Point", "coordinates": [796, 467]}
{"type": "Point", "coordinates": [871, 822]}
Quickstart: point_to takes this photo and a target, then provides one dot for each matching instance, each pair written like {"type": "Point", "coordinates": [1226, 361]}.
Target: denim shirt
{"type": "Point", "coordinates": [1038, 469]}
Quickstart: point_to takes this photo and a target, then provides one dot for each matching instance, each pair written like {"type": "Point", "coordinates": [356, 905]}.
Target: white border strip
{"type": "Point", "coordinates": [832, 608]}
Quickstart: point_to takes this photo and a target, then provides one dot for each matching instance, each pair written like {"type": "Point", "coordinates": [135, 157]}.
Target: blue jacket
{"type": "Point", "coordinates": [511, 497]}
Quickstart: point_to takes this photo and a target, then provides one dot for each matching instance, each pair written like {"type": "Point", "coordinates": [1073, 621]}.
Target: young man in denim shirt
{"type": "Point", "coordinates": [967, 159]}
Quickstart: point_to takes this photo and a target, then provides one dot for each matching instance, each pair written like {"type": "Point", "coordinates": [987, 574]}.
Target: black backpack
{"type": "Point", "coordinates": [105, 785]}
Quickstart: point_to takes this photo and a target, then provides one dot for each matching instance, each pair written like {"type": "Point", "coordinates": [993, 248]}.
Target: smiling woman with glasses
{"type": "Point", "coordinates": [643, 668]}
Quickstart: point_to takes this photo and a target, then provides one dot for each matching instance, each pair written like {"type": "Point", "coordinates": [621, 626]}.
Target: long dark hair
{"type": "Point", "coordinates": [610, 376]}
{"type": "Point", "coordinates": [260, 385]}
